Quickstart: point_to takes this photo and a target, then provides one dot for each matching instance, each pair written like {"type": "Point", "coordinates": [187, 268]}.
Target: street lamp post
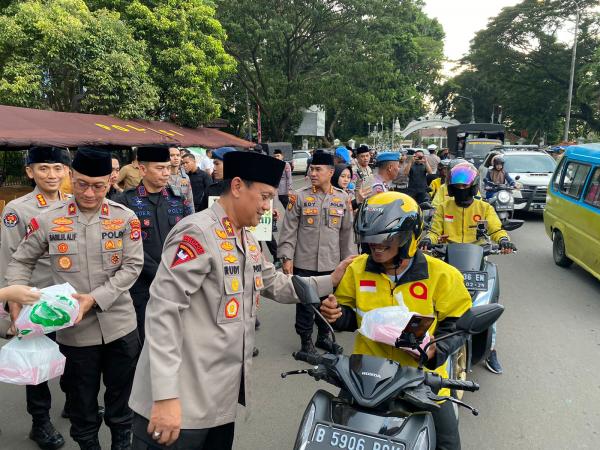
{"type": "Point", "coordinates": [571, 78]}
{"type": "Point", "coordinates": [472, 107]}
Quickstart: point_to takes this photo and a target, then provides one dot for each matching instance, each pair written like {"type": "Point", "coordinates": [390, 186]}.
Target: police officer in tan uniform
{"type": "Point", "coordinates": [45, 166]}
{"type": "Point", "coordinates": [179, 180]}
{"type": "Point", "coordinates": [197, 357]}
{"type": "Point", "coordinates": [315, 236]}
{"type": "Point", "coordinates": [95, 245]}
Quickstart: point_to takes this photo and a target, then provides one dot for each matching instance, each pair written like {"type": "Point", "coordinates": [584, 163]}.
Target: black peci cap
{"type": "Point", "coordinates": [251, 166]}
{"type": "Point", "coordinates": [322, 159]}
{"type": "Point", "coordinates": [362, 149]}
{"type": "Point", "coordinates": [46, 155]}
{"type": "Point", "coordinates": [153, 153]}
{"type": "Point", "coordinates": [91, 162]}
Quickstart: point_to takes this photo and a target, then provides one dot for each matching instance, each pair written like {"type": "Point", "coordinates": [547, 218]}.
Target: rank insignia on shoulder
{"type": "Point", "coordinates": [11, 220]}
{"type": "Point", "coordinates": [72, 209]}
{"type": "Point", "coordinates": [104, 210]}
{"type": "Point", "coordinates": [41, 200]}
{"type": "Point", "coordinates": [228, 227]}
{"type": "Point", "coordinates": [188, 249]}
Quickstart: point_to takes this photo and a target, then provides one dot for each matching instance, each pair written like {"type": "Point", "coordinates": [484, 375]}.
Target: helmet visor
{"type": "Point", "coordinates": [463, 174]}
{"type": "Point", "coordinates": [398, 238]}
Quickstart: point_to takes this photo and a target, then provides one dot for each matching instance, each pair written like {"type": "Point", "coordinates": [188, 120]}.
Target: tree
{"type": "Point", "coordinates": [57, 54]}
{"type": "Point", "coordinates": [185, 44]}
{"type": "Point", "coordinates": [519, 62]}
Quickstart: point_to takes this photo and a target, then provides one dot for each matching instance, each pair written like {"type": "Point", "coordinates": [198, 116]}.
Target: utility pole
{"type": "Point", "coordinates": [573, 59]}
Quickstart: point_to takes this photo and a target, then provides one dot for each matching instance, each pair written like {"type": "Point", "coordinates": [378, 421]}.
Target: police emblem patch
{"type": "Point", "coordinates": [10, 220]}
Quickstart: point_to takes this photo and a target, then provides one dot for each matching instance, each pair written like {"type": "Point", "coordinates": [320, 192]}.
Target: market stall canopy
{"type": "Point", "coordinates": [24, 127]}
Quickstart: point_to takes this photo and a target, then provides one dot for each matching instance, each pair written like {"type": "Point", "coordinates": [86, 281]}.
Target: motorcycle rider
{"type": "Point", "coordinates": [457, 218]}
{"type": "Point", "coordinates": [437, 184]}
{"type": "Point", "coordinates": [389, 225]}
{"type": "Point", "coordinates": [495, 176]}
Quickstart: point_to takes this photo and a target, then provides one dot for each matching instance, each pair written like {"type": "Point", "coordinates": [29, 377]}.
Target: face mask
{"type": "Point", "coordinates": [463, 197]}
{"type": "Point", "coordinates": [351, 186]}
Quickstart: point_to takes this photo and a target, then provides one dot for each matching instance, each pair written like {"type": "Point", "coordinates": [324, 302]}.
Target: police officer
{"type": "Point", "coordinates": [315, 236]}
{"type": "Point", "coordinates": [178, 179]}
{"type": "Point", "coordinates": [195, 364]}
{"type": "Point", "coordinates": [158, 209]}
{"type": "Point", "coordinates": [45, 166]}
{"type": "Point", "coordinates": [362, 171]}
{"type": "Point", "coordinates": [388, 168]}
{"type": "Point", "coordinates": [95, 245]}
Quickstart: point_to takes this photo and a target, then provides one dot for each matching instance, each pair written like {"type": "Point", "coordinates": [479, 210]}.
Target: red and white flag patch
{"type": "Point", "coordinates": [188, 249]}
{"type": "Point", "coordinates": [368, 286]}
{"type": "Point", "coordinates": [448, 218]}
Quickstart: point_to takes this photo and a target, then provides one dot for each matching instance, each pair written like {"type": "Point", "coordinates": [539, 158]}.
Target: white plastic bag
{"type": "Point", "coordinates": [30, 361]}
{"type": "Point", "coordinates": [385, 325]}
{"type": "Point", "coordinates": [55, 310]}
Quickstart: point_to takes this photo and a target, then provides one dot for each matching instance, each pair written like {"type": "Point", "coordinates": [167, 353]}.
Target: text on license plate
{"type": "Point", "coordinates": [476, 281]}
{"type": "Point", "coordinates": [329, 437]}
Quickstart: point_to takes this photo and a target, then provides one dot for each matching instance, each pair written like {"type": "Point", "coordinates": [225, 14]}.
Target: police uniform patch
{"type": "Point", "coordinates": [119, 243]}
{"type": "Point", "coordinates": [188, 249]}
{"type": "Point", "coordinates": [292, 200]}
{"type": "Point", "coordinates": [232, 308]}
{"type": "Point", "coordinates": [31, 228]}
{"type": "Point", "coordinates": [309, 199]}
{"type": "Point", "coordinates": [62, 247]}
{"type": "Point", "coordinates": [64, 262]}
{"type": "Point", "coordinates": [109, 245]}
{"type": "Point", "coordinates": [104, 210]}
{"type": "Point", "coordinates": [146, 222]}
{"type": "Point", "coordinates": [228, 227]}
{"type": "Point", "coordinates": [108, 225]}
{"type": "Point", "coordinates": [115, 259]}
{"type": "Point", "coordinates": [136, 229]}
{"type": "Point", "coordinates": [72, 209]}
{"type": "Point", "coordinates": [62, 229]}
{"type": "Point", "coordinates": [310, 220]}
{"type": "Point", "coordinates": [258, 282]}
{"type": "Point", "coordinates": [227, 246]}
{"type": "Point", "coordinates": [221, 234]}
{"type": "Point", "coordinates": [230, 259]}
{"type": "Point", "coordinates": [10, 220]}
{"type": "Point", "coordinates": [41, 200]}
{"type": "Point", "coordinates": [310, 211]}
{"type": "Point", "coordinates": [235, 284]}
{"type": "Point", "coordinates": [63, 221]}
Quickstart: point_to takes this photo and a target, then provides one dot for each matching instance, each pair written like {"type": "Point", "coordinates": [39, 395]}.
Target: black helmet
{"type": "Point", "coordinates": [498, 159]}
{"type": "Point", "coordinates": [388, 215]}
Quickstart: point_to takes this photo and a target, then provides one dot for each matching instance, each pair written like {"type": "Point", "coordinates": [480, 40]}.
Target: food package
{"type": "Point", "coordinates": [55, 310]}
{"type": "Point", "coordinates": [30, 361]}
{"type": "Point", "coordinates": [385, 325]}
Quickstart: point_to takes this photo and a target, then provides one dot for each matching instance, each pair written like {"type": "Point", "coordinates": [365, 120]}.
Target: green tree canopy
{"type": "Point", "coordinates": [57, 54]}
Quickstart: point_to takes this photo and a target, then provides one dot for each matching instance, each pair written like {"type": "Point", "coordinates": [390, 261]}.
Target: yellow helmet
{"type": "Point", "coordinates": [388, 215]}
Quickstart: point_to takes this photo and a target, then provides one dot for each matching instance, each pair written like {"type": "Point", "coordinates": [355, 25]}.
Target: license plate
{"type": "Point", "coordinates": [328, 437]}
{"type": "Point", "coordinates": [539, 206]}
{"type": "Point", "coordinates": [476, 281]}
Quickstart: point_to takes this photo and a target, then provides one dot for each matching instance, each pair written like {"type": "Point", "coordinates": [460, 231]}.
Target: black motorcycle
{"type": "Point", "coordinates": [504, 204]}
{"type": "Point", "coordinates": [381, 404]}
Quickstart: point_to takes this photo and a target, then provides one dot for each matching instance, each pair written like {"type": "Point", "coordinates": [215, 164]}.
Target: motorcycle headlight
{"type": "Point", "coordinates": [306, 426]}
{"type": "Point", "coordinates": [422, 441]}
{"type": "Point", "coordinates": [503, 197]}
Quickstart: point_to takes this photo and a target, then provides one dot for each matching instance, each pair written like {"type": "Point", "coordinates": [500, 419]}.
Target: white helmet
{"type": "Point", "coordinates": [432, 147]}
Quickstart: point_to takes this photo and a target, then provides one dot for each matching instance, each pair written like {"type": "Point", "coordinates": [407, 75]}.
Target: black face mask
{"type": "Point", "coordinates": [463, 197]}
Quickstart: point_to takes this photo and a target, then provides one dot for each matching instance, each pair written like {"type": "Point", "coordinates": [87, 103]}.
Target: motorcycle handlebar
{"type": "Point", "coordinates": [436, 382]}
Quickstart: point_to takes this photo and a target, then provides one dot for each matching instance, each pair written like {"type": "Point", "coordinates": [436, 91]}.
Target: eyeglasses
{"type": "Point", "coordinates": [83, 186]}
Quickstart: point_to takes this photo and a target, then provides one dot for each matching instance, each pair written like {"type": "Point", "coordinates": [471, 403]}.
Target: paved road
{"type": "Point", "coordinates": [549, 343]}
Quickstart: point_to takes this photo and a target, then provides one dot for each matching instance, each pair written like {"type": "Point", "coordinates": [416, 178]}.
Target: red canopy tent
{"type": "Point", "coordinates": [24, 127]}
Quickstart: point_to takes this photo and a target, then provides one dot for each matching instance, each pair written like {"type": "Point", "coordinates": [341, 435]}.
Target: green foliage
{"type": "Point", "coordinates": [57, 54]}
{"type": "Point", "coordinates": [358, 58]}
{"type": "Point", "coordinates": [520, 62]}
{"type": "Point", "coordinates": [188, 62]}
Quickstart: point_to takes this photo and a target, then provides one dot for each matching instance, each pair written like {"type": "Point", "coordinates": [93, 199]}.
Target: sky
{"type": "Point", "coordinates": [461, 19]}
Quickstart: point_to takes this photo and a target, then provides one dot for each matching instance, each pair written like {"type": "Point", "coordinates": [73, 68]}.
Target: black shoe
{"type": "Point", "coordinates": [308, 353]}
{"type": "Point", "coordinates": [325, 341]}
{"type": "Point", "coordinates": [90, 444]}
{"type": "Point", "coordinates": [493, 364]}
{"type": "Point", "coordinates": [254, 352]}
{"type": "Point", "coordinates": [121, 439]}
{"type": "Point", "coordinates": [46, 436]}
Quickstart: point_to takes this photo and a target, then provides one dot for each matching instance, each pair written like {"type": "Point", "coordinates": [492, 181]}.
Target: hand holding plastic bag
{"type": "Point", "coordinates": [385, 325]}
{"type": "Point", "coordinates": [55, 310]}
{"type": "Point", "coordinates": [30, 361]}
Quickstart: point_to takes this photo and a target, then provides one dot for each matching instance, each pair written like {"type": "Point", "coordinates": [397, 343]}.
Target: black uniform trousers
{"type": "Point", "coordinates": [140, 301]}
{"type": "Point", "coordinates": [113, 362]}
{"type": "Point", "coordinates": [446, 428]}
{"type": "Point", "coordinates": [39, 399]}
{"type": "Point", "coordinates": [217, 438]}
{"type": "Point", "coordinates": [305, 315]}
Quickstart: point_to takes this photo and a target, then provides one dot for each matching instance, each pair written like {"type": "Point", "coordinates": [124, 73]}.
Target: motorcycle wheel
{"type": "Point", "coordinates": [459, 369]}
{"type": "Point", "coordinates": [558, 250]}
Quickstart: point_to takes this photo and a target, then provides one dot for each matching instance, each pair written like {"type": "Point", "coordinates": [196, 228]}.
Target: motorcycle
{"type": "Point", "coordinates": [381, 404]}
{"type": "Point", "coordinates": [503, 202]}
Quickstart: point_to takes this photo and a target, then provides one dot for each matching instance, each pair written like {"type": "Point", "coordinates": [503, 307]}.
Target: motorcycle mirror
{"type": "Point", "coordinates": [479, 318]}
{"type": "Point", "coordinates": [513, 224]}
{"type": "Point", "coordinates": [305, 292]}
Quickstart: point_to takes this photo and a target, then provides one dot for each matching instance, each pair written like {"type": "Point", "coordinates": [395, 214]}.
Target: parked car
{"type": "Point", "coordinates": [572, 216]}
{"type": "Point", "coordinates": [531, 168]}
{"type": "Point", "coordinates": [300, 161]}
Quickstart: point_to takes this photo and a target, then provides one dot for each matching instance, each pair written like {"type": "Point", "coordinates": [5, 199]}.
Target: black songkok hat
{"type": "Point", "coordinates": [91, 162]}
{"type": "Point", "coordinates": [362, 149]}
{"type": "Point", "coordinates": [251, 166]}
{"type": "Point", "coordinates": [153, 153]}
{"type": "Point", "coordinates": [322, 159]}
{"type": "Point", "coordinates": [45, 155]}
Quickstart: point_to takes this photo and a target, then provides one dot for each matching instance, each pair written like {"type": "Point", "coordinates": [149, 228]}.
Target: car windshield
{"type": "Point", "coordinates": [300, 155]}
{"type": "Point", "coordinates": [537, 162]}
{"type": "Point", "coordinates": [479, 148]}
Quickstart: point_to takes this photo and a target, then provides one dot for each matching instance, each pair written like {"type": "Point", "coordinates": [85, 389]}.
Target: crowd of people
{"type": "Point", "coordinates": [169, 278]}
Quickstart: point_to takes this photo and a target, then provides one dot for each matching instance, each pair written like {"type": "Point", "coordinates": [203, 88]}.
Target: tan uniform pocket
{"type": "Point", "coordinates": [335, 216]}
{"type": "Point", "coordinates": [64, 256]}
{"type": "Point", "coordinates": [310, 217]}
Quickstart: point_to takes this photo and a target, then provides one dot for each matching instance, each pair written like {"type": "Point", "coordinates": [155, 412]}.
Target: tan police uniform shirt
{"type": "Point", "coordinates": [15, 217]}
{"type": "Point", "coordinates": [129, 177]}
{"type": "Point", "coordinates": [181, 185]}
{"type": "Point", "coordinates": [317, 229]}
{"type": "Point", "coordinates": [200, 319]}
{"type": "Point", "coordinates": [101, 256]}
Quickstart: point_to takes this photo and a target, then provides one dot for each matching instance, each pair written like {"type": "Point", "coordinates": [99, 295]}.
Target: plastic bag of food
{"type": "Point", "coordinates": [55, 310]}
{"type": "Point", "coordinates": [385, 325]}
{"type": "Point", "coordinates": [30, 361]}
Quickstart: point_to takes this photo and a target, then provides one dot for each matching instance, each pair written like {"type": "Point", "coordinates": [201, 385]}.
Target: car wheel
{"type": "Point", "coordinates": [558, 250]}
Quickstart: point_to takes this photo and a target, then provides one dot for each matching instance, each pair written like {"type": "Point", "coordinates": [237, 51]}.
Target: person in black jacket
{"type": "Point", "coordinates": [158, 209]}
{"type": "Point", "coordinates": [199, 179]}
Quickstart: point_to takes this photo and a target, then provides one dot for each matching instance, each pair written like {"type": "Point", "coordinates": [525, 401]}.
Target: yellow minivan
{"type": "Point", "coordinates": [572, 215]}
